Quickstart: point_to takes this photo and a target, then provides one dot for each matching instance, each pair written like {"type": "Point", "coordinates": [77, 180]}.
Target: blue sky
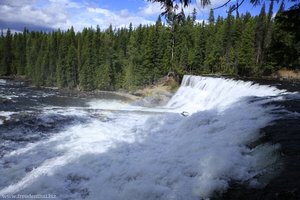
{"type": "Point", "coordinates": [53, 14]}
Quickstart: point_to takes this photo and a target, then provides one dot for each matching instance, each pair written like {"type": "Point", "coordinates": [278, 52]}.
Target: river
{"type": "Point", "coordinates": [108, 147]}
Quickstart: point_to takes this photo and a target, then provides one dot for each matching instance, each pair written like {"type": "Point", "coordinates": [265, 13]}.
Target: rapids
{"type": "Point", "coordinates": [112, 149]}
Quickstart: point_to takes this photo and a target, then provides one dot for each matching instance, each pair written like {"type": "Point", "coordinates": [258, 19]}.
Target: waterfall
{"type": "Point", "coordinates": [198, 93]}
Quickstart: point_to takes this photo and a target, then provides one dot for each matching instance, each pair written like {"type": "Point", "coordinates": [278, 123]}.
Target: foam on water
{"type": "Point", "coordinates": [5, 116]}
{"type": "Point", "coordinates": [2, 81]}
{"type": "Point", "coordinates": [204, 93]}
{"type": "Point", "coordinates": [148, 155]}
{"type": "Point", "coordinates": [118, 105]}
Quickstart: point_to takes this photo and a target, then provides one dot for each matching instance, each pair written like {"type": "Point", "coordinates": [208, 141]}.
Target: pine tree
{"type": "Point", "coordinates": [260, 35]}
{"type": "Point", "coordinates": [22, 52]}
{"type": "Point", "coordinates": [199, 50]}
{"type": "Point", "coordinates": [32, 48]}
{"type": "Point", "coordinates": [61, 73]}
{"type": "Point", "coordinates": [281, 8]}
{"type": "Point", "coordinates": [53, 55]}
{"type": "Point", "coordinates": [214, 50]}
{"type": "Point", "coordinates": [284, 50]}
{"type": "Point", "coordinates": [194, 15]}
{"type": "Point", "coordinates": [7, 58]}
{"type": "Point", "coordinates": [38, 73]}
{"type": "Point", "coordinates": [228, 31]}
{"type": "Point", "coordinates": [2, 53]}
{"type": "Point", "coordinates": [246, 51]}
{"type": "Point", "coordinates": [149, 64]}
{"type": "Point", "coordinates": [103, 77]}
{"type": "Point", "coordinates": [86, 72]}
{"type": "Point", "coordinates": [269, 26]}
{"type": "Point", "coordinates": [211, 18]}
{"type": "Point", "coordinates": [71, 67]}
{"type": "Point", "coordinates": [133, 71]}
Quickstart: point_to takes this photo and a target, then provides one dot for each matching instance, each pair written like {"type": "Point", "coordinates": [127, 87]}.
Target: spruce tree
{"type": "Point", "coordinates": [260, 31]}
{"type": "Point", "coordinates": [246, 51]}
{"type": "Point", "coordinates": [86, 73]}
{"type": "Point", "coordinates": [284, 50]}
{"type": "Point", "coordinates": [149, 63]}
{"type": "Point", "coordinates": [133, 75]}
{"type": "Point", "coordinates": [228, 31]}
{"type": "Point", "coordinates": [199, 49]}
{"type": "Point", "coordinates": [7, 57]}
{"type": "Point", "coordinates": [211, 19]}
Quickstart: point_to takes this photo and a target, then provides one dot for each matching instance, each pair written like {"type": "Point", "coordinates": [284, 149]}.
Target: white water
{"type": "Point", "coordinates": [155, 154]}
{"type": "Point", "coordinates": [204, 93]}
{"type": "Point", "coordinates": [2, 82]}
{"type": "Point", "coordinates": [5, 116]}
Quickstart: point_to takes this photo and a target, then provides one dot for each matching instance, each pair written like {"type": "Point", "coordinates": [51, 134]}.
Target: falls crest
{"type": "Point", "coordinates": [198, 93]}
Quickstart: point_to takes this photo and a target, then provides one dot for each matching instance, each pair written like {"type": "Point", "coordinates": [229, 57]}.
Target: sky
{"type": "Point", "coordinates": [47, 15]}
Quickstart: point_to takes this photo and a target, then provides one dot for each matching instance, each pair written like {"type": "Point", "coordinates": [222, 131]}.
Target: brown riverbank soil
{"type": "Point", "coordinates": [287, 74]}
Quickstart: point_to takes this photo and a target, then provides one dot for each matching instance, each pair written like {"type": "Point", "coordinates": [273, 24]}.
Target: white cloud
{"type": "Point", "coordinates": [28, 14]}
{"type": "Point", "coordinates": [12, 31]}
{"type": "Point", "coordinates": [151, 9]}
{"type": "Point", "coordinates": [214, 4]}
{"type": "Point", "coordinates": [101, 11]}
{"type": "Point", "coordinates": [154, 9]}
{"type": "Point", "coordinates": [16, 3]}
{"type": "Point", "coordinates": [68, 3]}
{"type": "Point", "coordinates": [206, 9]}
{"type": "Point", "coordinates": [105, 17]}
{"type": "Point", "coordinates": [63, 14]}
{"type": "Point", "coordinates": [202, 21]}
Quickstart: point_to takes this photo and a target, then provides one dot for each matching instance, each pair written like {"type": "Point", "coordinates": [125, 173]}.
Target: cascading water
{"type": "Point", "coordinates": [127, 152]}
{"type": "Point", "coordinates": [204, 93]}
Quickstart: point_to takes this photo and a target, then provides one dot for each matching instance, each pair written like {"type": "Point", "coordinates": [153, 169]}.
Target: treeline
{"type": "Point", "coordinates": [131, 57]}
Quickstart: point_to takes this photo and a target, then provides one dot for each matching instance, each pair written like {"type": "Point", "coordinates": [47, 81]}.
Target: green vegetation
{"type": "Point", "coordinates": [131, 57]}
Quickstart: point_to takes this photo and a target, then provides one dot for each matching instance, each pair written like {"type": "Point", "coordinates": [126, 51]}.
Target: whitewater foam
{"type": "Point", "coordinates": [5, 116]}
{"type": "Point", "coordinates": [204, 93]}
{"type": "Point", "coordinates": [152, 156]}
{"type": "Point", "coordinates": [2, 81]}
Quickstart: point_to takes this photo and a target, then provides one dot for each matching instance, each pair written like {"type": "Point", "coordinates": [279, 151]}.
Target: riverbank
{"type": "Point", "coordinates": [170, 84]}
{"type": "Point", "coordinates": [166, 86]}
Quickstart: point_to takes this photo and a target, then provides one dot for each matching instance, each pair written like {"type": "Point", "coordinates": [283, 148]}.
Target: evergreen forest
{"type": "Point", "coordinates": [131, 57]}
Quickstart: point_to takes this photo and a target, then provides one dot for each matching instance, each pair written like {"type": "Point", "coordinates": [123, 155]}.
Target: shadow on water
{"type": "Point", "coordinates": [284, 131]}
